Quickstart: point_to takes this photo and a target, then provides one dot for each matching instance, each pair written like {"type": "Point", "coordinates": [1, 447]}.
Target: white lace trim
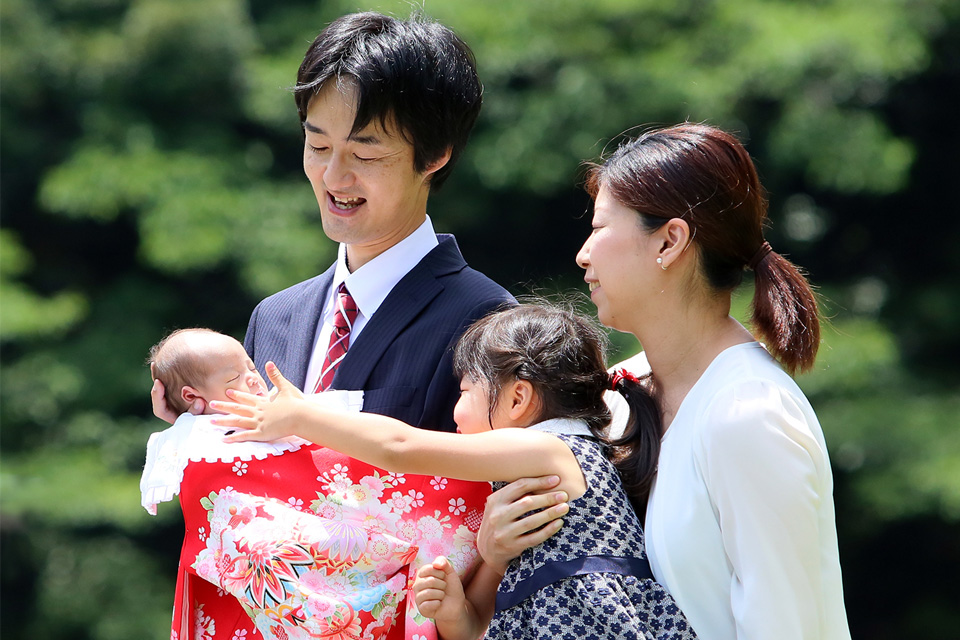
{"type": "Point", "coordinates": [194, 439]}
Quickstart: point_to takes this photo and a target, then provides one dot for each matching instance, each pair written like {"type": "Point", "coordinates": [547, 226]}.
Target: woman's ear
{"type": "Point", "coordinates": [674, 240]}
{"type": "Point", "coordinates": [521, 403]}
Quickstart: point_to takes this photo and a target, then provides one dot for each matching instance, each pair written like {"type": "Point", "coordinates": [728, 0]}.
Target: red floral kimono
{"type": "Point", "coordinates": [308, 543]}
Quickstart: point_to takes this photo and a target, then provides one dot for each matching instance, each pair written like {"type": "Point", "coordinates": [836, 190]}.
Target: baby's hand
{"type": "Point", "coordinates": [261, 418]}
{"type": "Point", "coordinates": [439, 592]}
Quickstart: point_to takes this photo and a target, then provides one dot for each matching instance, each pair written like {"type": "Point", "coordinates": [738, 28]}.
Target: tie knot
{"type": "Point", "coordinates": [346, 311]}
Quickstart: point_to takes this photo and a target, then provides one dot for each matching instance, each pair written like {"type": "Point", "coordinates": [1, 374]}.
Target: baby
{"type": "Point", "coordinates": [199, 365]}
{"type": "Point", "coordinates": [196, 366]}
{"type": "Point", "coordinates": [287, 539]}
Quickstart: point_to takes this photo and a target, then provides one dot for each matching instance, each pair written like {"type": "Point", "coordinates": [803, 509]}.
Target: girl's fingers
{"type": "Point", "coordinates": [233, 408]}
{"type": "Point", "coordinates": [242, 397]}
{"type": "Point", "coordinates": [242, 436]}
{"type": "Point", "coordinates": [277, 378]}
{"type": "Point", "coordinates": [442, 564]}
{"type": "Point", "coordinates": [234, 422]}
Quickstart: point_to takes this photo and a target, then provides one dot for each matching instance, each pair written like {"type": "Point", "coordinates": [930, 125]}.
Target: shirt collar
{"type": "Point", "coordinates": [372, 283]}
{"type": "Point", "coordinates": [564, 426]}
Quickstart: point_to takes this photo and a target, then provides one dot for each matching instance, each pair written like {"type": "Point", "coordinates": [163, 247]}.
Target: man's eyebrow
{"type": "Point", "coordinates": [359, 139]}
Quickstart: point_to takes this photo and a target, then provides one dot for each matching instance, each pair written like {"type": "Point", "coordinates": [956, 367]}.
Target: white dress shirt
{"type": "Point", "coordinates": [740, 525]}
{"type": "Point", "coordinates": [369, 286]}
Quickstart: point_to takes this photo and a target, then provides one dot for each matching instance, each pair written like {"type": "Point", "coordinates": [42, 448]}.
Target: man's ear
{"type": "Point", "coordinates": [674, 240]}
{"type": "Point", "coordinates": [439, 163]}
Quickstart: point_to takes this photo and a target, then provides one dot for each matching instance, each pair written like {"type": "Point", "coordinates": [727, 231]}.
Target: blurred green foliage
{"type": "Point", "coordinates": [150, 156]}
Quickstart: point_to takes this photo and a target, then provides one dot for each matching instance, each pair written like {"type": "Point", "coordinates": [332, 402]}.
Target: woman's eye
{"type": "Point", "coordinates": [363, 159]}
{"type": "Point", "coordinates": [317, 149]}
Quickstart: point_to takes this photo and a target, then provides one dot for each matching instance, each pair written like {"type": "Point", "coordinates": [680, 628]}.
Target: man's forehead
{"type": "Point", "coordinates": [380, 128]}
{"type": "Point", "coordinates": [372, 133]}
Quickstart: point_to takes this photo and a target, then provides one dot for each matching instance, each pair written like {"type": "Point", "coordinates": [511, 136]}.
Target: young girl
{"type": "Point", "coordinates": [531, 404]}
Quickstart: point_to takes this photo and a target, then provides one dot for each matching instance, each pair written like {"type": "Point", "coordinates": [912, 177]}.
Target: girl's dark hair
{"type": "Point", "coordinates": [416, 73]}
{"type": "Point", "coordinates": [563, 355]}
{"type": "Point", "coordinates": [704, 176]}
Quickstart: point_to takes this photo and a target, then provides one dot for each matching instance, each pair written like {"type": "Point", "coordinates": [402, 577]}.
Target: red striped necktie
{"type": "Point", "coordinates": [343, 318]}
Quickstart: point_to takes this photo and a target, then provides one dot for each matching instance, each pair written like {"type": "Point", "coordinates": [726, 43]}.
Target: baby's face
{"type": "Point", "coordinates": [229, 367]}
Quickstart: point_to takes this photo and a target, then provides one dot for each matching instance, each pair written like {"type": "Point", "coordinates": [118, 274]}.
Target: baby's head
{"type": "Point", "coordinates": [200, 364]}
{"type": "Point", "coordinates": [559, 352]}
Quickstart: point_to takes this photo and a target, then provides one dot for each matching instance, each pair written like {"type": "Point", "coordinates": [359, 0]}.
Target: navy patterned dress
{"type": "Point", "coordinates": [591, 579]}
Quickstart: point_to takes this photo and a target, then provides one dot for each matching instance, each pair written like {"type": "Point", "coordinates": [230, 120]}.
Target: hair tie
{"type": "Point", "coordinates": [761, 253]}
{"type": "Point", "coordinates": [622, 374]}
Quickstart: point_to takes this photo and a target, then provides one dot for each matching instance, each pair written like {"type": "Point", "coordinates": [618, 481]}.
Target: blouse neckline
{"type": "Point", "coordinates": [723, 355]}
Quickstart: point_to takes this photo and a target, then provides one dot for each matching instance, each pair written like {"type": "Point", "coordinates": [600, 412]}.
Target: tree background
{"type": "Point", "coordinates": [151, 179]}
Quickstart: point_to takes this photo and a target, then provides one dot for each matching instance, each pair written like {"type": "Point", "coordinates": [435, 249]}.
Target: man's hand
{"type": "Point", "coordinates": [508, 525]}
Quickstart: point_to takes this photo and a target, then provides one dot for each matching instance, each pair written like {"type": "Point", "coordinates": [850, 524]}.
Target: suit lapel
{"type": "Point", "coordinates": [303, 329]}
{"type": "Point", "coordinates": [404, 303]}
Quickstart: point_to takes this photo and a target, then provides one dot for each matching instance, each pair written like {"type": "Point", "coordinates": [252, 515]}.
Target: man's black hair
{"type": "Point", "coordinates": [415, 73]}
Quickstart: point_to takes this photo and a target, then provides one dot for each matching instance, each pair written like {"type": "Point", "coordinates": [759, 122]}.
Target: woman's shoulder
{"type": "Point", "coordinates": [750, 401]}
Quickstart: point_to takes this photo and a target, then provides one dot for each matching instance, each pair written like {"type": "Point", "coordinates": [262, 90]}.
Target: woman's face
{"type": "Point", "coordinates": [617, 257]}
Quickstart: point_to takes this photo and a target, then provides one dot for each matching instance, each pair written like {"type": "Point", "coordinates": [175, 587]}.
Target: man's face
{"type": "Point", "coordinates": [369, 194]}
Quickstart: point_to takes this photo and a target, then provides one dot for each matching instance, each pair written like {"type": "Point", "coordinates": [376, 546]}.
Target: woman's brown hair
{"type": "Point", "coordinates": [703, 175]}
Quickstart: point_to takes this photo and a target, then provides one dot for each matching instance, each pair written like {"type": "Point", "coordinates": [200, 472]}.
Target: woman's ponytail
{"type": "Point", "coordinates": [785, 313]}
{"type": "Point", "coordinates": [636, 451]}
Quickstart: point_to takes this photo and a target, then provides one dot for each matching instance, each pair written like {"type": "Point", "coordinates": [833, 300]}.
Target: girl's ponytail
{"type": "Point", "coordinates": [636, 451]}
{"type": "Point", "coordinates": [784, 310]}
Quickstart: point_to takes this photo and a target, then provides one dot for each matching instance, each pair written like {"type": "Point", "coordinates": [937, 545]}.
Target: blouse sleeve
{"type": "Point", "coordinates": [766, 473]}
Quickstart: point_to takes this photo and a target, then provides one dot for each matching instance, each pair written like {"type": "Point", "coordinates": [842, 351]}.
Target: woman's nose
{"type": "Point", "coordinates": [583, 256]}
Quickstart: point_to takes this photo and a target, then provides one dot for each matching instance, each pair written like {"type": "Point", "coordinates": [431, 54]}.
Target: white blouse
{"type": "Point", "coordinates": [740, 524]}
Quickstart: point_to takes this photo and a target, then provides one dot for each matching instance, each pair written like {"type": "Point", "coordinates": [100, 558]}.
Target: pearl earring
{"type": "Point", "coordinates": [660, 262]}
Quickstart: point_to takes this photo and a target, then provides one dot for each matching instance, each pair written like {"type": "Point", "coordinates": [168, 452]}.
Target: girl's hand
{"type": "Point", "coordinates": [262, 418]}
{"type": "Point", "coordinates": [438, 591]}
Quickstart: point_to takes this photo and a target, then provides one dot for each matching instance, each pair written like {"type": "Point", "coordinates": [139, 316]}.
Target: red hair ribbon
{"type": "Point", "coordinates": [622, 374]}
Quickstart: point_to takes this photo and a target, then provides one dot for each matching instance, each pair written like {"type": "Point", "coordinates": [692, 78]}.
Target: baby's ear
{"type": "Point", "coordinates": [196, 404]}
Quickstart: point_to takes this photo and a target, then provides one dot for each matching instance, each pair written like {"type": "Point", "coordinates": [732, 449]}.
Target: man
{"type": "Point", "coordinates": [386, 108]}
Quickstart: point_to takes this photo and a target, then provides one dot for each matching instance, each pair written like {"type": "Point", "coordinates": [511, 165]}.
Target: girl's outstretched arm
{"type": "Point", "coordinates": [502, 454]}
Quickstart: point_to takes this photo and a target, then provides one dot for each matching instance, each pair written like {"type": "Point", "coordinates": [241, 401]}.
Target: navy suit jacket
{"type": "Point", "coordinates": [402, 360]}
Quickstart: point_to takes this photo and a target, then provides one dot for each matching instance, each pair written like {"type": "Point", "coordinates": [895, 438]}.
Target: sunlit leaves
{"type": "Point", "coordinates": [23, 313]}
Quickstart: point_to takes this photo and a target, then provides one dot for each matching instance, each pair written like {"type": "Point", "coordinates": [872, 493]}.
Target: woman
{"type": "Point", "coordinates": [740, 518]}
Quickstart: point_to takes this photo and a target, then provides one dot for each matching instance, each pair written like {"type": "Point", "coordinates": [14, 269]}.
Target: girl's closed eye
{"type": "Point", "coordinates": [362, 159]}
